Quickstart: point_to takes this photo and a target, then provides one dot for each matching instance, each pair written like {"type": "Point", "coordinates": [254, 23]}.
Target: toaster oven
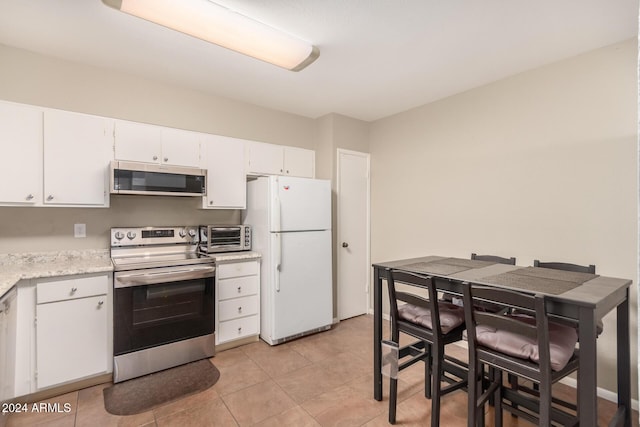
{"type": "Point", "coordinates": [224, 238]}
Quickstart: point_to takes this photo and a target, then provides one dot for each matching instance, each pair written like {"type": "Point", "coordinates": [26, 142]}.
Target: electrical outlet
{"type": "Point", "coordinates": [79, 230]}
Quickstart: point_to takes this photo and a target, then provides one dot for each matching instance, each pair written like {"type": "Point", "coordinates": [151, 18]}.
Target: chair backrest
{"type": "Point", "coordinates": [423, 285]}
{"type": "Point", "coordinates": [498, 259]}
{"type": "Point", "coordinates": [566, 266]}
{"type": "Point", "coordinates": [534, 305]}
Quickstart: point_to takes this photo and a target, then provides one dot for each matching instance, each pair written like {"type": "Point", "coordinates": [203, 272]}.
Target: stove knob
{"type": "Point", "coordinates": [182, 233]}
{"type": "Point", "coordinates": [192, 232]}
{"type": "Point", "coordinates": [118, 235]}
{"type": "Point", "coordinates": [131, 235]}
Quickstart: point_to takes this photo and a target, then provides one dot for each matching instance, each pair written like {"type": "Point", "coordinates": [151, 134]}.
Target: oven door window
{"type": "Point", "coordinates": [151, 315]}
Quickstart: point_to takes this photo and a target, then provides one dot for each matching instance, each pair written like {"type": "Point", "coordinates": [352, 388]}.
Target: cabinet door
{"type": "Point", "coordinates": [299, 162]}
{"type": "Point", "coordinates": [21, 154]}
{"type": "Point", "coordinates": [226, 177]}
{"type": "Point", "coordinates": [264, 159]}
{"type": "Point", "coordinates": [180, 147]}
{"type": "Point", "coordinates": [137, 142]}
{"type": "Point", "coordinates": [71, 340]}
{"type": "Point", "coordinates": [8, 329]}
{"type": "Point", "coordinates": [77, 151]}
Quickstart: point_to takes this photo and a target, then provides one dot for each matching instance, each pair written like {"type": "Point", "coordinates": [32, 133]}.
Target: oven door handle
{"type": "Point", "coordinates": [138, 279]}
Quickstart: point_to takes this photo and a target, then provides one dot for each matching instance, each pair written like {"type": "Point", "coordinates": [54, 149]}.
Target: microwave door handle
{"type": "Point", "coordinates": [128, 280]}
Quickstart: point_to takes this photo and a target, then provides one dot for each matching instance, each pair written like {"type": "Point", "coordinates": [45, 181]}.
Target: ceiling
{"type": "Point", "coordinates": [377, 57]}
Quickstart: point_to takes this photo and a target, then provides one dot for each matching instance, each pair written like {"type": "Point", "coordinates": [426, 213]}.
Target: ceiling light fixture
{"type": "Point", "coordinates": [216, 24]}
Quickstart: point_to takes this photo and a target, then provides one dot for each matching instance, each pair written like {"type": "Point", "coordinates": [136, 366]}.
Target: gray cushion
{"type": "Point", "coordinates": [562, 342]}
{"type": "Point", "coordinates": [451, 316]}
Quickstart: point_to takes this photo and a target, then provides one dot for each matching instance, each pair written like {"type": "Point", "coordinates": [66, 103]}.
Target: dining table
{"type": "Point", "coordinates": [578, 297]}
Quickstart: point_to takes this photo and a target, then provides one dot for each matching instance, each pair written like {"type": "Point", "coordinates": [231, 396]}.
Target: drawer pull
{"type": "Point", "coordinates": [100, 303]}
{"type": "Point", "coordinates": [239, 289]}
{"type": "Point", "coordinates": [74, 290]}
{"type": "Point", "coordinates": [239, 309]}
{"type": "Point", "coordinates": [240, 330]}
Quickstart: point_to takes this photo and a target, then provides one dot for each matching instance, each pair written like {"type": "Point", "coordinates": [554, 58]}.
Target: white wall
{"type": "Point", "coordinates": [539, 165]}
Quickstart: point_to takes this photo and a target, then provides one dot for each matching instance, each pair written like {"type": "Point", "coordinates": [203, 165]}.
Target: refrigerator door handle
{"type": "Point", "coordinates": [278, 259]}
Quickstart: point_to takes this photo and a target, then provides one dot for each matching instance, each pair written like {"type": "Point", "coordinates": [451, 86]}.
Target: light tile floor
{"type": "Point", "coordinates": [320, 380]}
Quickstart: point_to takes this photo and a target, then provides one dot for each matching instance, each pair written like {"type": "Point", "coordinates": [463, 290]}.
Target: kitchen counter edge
{"type": "Point", "coordinates": [35, 265]}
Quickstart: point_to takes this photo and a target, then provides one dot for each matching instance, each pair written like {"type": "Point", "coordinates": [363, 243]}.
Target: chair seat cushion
{"type": "Point", "coordinates": [562, 342]}
{"type": "Point", "coordinates": [451, 315]}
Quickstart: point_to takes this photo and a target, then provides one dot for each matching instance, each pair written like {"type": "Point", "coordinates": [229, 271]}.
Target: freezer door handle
{"type": "Point", "coordinates": [278, 259]}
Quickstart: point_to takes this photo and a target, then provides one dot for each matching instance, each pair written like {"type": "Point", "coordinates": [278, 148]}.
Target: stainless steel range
{"type": "Point", "coordinates": [163, 300]}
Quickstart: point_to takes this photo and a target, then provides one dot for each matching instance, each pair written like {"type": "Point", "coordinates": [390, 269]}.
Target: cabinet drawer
{"type": "Point", "coordinates": [238, 328]}
{"type": "Point", "coordinates": [59, 290]}
{"type": "Point", "coordinates": [237, 269]}
{"type": "Point", "coordinates": [238, 287]}
{"type": "Point", "coordinates": [238, 307]}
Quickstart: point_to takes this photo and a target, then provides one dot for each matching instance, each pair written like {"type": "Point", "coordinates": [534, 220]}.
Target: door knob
{"type": "Point", "coordinates": [345, 245]}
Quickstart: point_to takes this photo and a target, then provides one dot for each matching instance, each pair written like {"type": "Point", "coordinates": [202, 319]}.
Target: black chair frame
{"type": "Point", "coordinates": [540, 410]}
{"type": "Point", "coordinates": [430, 345]}
{"type": "Point", "coordinates": [497, 259]}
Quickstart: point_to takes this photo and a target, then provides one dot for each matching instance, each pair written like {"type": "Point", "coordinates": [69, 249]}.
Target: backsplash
{"type": "Point", "coordinates": [51, 229]}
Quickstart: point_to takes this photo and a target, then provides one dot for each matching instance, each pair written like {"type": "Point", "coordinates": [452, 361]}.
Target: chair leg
{"type": "Point", "coordinates": [513, 382]}
{"type": "Point", "coordinates": [393, 399]}
{"type": "Point", "coordinates": [545, 405]}
{"type": "Point", "coordinates": [497, 397]}
{"type": "Point", "coordinates": [428, 373]}
{"type": "Point", "coordinates": [472, 395]}
{"type": "Point", "coordinates": [438, 372]}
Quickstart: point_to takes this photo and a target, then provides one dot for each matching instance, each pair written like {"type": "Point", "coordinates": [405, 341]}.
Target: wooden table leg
{"type": "Point", "coordinates": [587, 377]}
{"type": "Point", "coordinates": [624, 361]}
{"type": "Point", "coordinates": [377, 334]}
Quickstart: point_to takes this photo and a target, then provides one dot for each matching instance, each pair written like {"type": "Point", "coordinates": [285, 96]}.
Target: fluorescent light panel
{"type": "Point", "coordinates": [216, 24]}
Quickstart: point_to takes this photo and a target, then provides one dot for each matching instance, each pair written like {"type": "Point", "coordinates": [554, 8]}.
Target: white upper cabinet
{"type": "Point", "coordinates": [299, 162]}
{"type": "Point", "coordinates": [271, 159]}
{"type": "Point", "coordinates": [181, 147]}
{"type": "Point", "coordinates": [141, 142]}
{"type": "Point", "coordinates": [21, 154]}
{"type": "Point", "coordinates": [77, 151]}
{"type": "Point", "coordinates": [137, 142]}
{"type": "Point", "coordinates": [223, 157]}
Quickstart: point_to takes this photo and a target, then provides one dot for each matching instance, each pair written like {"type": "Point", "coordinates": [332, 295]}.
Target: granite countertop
{"type": "Point", "coordinates": [33, 265]}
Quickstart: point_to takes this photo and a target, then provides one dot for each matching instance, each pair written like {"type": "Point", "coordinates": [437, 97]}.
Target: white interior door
{"type": "Point", "coordinates": [353, 233]}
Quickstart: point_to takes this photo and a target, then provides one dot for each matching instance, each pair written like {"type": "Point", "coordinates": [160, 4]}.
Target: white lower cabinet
{"type": "Point", "coordinates": [237, 300]}
{"type": "Point", "coordinates": [8, 316]}
{"type": "Point", "coordinates": [64, 331]}
{"type": "Point", "coordinates": [72, 332]}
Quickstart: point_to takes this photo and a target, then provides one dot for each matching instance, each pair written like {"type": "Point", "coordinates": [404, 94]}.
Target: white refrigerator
{"type": "Point", "coordinates": [291, 227]}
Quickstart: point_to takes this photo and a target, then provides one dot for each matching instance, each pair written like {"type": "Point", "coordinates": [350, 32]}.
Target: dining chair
{"type": "Point", "coordinates": [590, 269]}
{"type": "Point", "coordinates": [416, 311]}
{"type": "Point", "coordinates": [527, 345]}
{"type": "Point", "coordinates": [491, 258]}
{"type": "Point", "coordinates": [566, 266]}
{"type": "Point", "coordinates": [494, 258]}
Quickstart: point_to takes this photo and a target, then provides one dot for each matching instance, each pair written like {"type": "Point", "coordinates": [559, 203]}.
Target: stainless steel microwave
{"type": "Point", "coordinates": [224, 238]}
{"type": "Point", "coordinates": [160, 180]}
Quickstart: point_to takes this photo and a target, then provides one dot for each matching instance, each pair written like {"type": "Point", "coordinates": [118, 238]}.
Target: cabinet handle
{"type": "Point", "coordinates": [155, 157]}
{"type": "Point", "coordinates": [287, 171]}
{"type": "Point", "coordinates": [239, 289]}
{"type": "Point", "coordinates": [100, 303]}
{"type": "Point", "coordinates": [240, 330]}
{"type": "Point", "coordinates": [49, 197]}
{"type": "Point", "coordinates": [73, 290]}
{"type": "Point", "coordinates": [280, 170]}
{"type": "Point", "coordinates": [239, 310]}
{"type": "Point", "coordinates": [30, 197]}
{"type": "Point", "coordinates": [166, 159]}
{"type": "Point", "coordinates": [210, 202]}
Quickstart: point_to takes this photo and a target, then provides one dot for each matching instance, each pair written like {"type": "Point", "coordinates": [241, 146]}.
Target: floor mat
{"type": "Point", "coordinates": [144, 393]}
